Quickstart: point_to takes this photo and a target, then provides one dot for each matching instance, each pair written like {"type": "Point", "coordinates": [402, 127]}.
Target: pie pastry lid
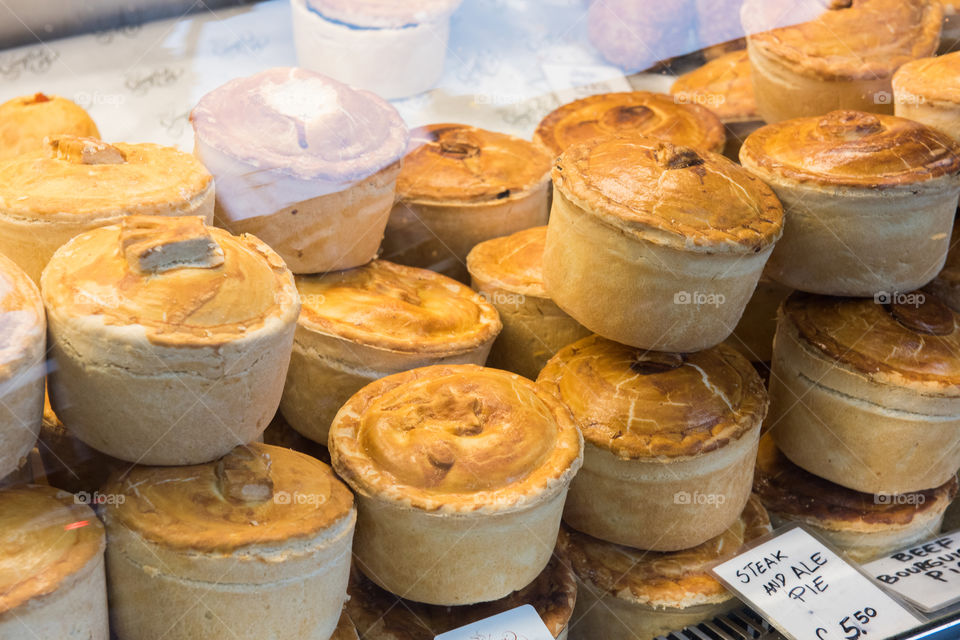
{"type": "Point", "coordinates": [929, 80]}
{"type": "Point", "coordinates": [854, 150]}
{"type": "Point", "coordinates": [456, 439]}
{"type": "Point", "coordinates": [46, 538]}
{"type": "Point", "coordinates": [511, 263]}
{"type": "Point", "coordinates": [723, 85]}
{"type": "Point", "coordinates": [22, 323]}
{"type": "Point", "coordinates": [456, 163]}
{"type": "Point", "coordinates": [639, 404]}
{"type": "Point", "coordinates": [668, 195]}
{"type": "Point", "coordinates": [396, 308]}
{"type": "Point", "coordinates": [26, 120]}
{"type": "Point", "coordinates": [652, 114]}
{"type": "Point", "coordinates": [96, 286]}
{"type": "Point", "coordinates": [788, 491]}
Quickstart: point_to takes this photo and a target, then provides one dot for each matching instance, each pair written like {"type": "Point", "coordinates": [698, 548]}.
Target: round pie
{"type": "Point", "coordinates": [26, 120]}
{"type": "Point", "coordinates": [928, 91]}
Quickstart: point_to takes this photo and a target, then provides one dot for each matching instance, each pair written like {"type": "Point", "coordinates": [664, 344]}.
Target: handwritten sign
{"type": "Point", "coordinates": [522, 623]}
{"type": "Point", "coordinates": [928, 575]}
{"type": "Point", "coordinates": [810, 593]}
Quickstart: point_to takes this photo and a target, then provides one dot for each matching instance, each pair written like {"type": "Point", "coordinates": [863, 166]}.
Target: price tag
{"type": "Point", "coordinates": [809, 593]}
{"type": "Point", "coordinates": [928, 575]}
{"type": "Point", "coordinates": [522, 623]}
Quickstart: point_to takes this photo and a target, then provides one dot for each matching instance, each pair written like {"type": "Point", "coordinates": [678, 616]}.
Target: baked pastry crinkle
{"type": "Point", "coordinates": [508, 272]}
{"type": "Point", "coordinates": [52, 581]}
{"type": "Point", "coordinates": [170, 339]}
{"type": "Point", "coordinates": [303, 162]}
{"type": "Point", "coordinates": [843, 59]}
{"type": "Point", "coordinates": [865, 526]}
{"type": "Point", "coordinates": [22, 368]}
{"type": "Point", "coordinates": [395, 49]}
{"type": "Point", "coordinates": [362, 324]}
{"type": "Point", "coordinates": [867, 395]}
{"type": "Point", "coordinates": [652, 114]}
{"type": "Point", "coordinates": [669, 440]}
{"type": "Point", "coordinates": [845, 180]}
{"type": "Point", "coordinates": [457, 463]}
{"type": "Point", "coordinates": [646, 229]}
{"type": "Point", "coordinates": [460, 186]}
{"type": "Point", "coordinates": [928, 91]}
{"type": "Point", "coordinates": [257, 542]}
{"type": "Point", "coordinates": [626, 594]}
{"type": "Point", "coordinates": [76, 184]}
{"type": "Point", "coordinates": [26, 120]}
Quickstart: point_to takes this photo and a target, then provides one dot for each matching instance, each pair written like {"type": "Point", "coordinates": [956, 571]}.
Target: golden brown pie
{"type": "Point", "coordinates": [928, 91]}
{"type": "Point", "coordinates": [26, 120]}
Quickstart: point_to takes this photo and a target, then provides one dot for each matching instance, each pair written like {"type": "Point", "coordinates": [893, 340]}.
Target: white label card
{"type": "Point", "coordinates": [808, 592]}
{"type": "Point", "coordinates": [928, 574]}
{"type": "Point", "coordinates": [522, 623]}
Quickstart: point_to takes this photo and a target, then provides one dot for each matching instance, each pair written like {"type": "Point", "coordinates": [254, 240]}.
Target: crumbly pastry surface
{"type": "Point", "coordinates": [784, 488]}
{"type": "Point", "coordinates": [852, 149]}
{"type": "Point", "coordinates": [722, 85]}
{"type": "Point", "coordinates": [460, 163]}
{"type": "Point", "coordinates": [931, 79]}
{"type": "Point", "coordinates": [21, 317]}
{"type": "Point", "coordinates": [380, 615]}
{"type": "Point", "coordinates": [455, 438]}
{"type": "Point", "coordinates": [670, 195]}
{"type": "Point", "coordinates": [839, 45]}
{"type": "Point", "coordinates": [653, 114]}
{"type": "Point", "coordinates": [26, 120]}
{"type": "Point", "coordinates": [45, 537]}
{"type": "Point", "coordinates": [384, 14]}
{"type": "Point", "coordinates": [396, 307]}
{"type": "Point", "coordinates": [641, 404]}
{"type": "Point", "coordinates": [149, 178]}
{"type": "Point", "coordinates": [91, 277]}
{"type": "Point", "coordinates": [673, 579]}
{"type": "Point", "coordinates": [905, 344]}
{"type": "Point", "coordinates": [513, 262]}
{"type": "Point", "coordinates": [301, 123]}
{"type": "Point", "coordinates": [247, 498]}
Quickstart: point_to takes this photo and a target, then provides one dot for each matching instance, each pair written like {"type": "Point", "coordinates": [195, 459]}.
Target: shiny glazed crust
{"type": "Point", "coordinates": [455, 439]}
{"type": "Point", "coordinates": [641, 405]}
{"type": "Point", "coordinates": [397, 308]}
{"type": "Point", "coordinates": [672, 196]}
{"type": "Point", "coordinates": [512, 263]}
{"type": "Point", "coordinates": [456, 163]}
{"type": "Point", "coordinates": [723, 85]}
{"type": "Point", "coordinates": [674, 579]}
{"type": "Point", "coordinates": [640, 112]}
{"type": "Point", "coordinates": [837, 46]}
{"type": "Point", "coordinates": [25, 122]}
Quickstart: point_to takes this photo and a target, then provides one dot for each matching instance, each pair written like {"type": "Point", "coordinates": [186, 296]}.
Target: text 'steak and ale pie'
{"type": "Point", "coordinates": [631, 594]}
{"type": "Point", "coordinates": [843, 59]}
{"type": "Point", "coordinates": [669, 440]}
{"type": "Point", "coordinates": [23, 343]}
{"type": "Point", "coordinates": [508, 272]}
{"type": "Point", "coordinates": [305, 163]}
{"type": "Point", "coordinates": [870, 200]}
{"type": "Point", "coordinates": [867, 395]}
{"type": "Point", "coordinates": [75, 184]}
{"type": "Point", "coordinates": [639, 112]}
{"type": "Point", "coordinates": [170, 339]}
{"type": "Point", "coordinates": [459, 186]}
{"type": "Point", "coordinates": [656, 246]}
{"type": "Point", "coordinates": [52, 581]}
{"type": "Point", "coordinates": [865, 526]}
{"type": "Point", "coordinates": [461, 474]}
{"type": "Point", "coordinates": [255, 544]}
{"type": "Point", "coordinates": [362, 324]}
